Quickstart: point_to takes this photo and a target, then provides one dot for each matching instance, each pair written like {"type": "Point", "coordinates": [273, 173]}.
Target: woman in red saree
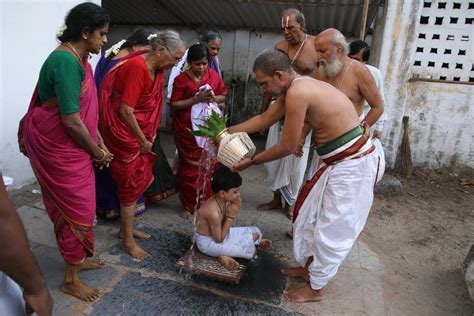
{"type": "Point", "coordinates": [59, 135]}
{"type": "Point", "coordinates": [131, 102]}
{"type": "Point", "coordinates": [185, 95]}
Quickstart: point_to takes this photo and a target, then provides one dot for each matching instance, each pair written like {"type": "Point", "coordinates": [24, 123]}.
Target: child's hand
{"type": "Point", "coordinates": [234, 208]}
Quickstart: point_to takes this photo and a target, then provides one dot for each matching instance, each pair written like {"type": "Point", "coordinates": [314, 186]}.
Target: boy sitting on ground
{"type": "Point", "coordinates": [215, 235]}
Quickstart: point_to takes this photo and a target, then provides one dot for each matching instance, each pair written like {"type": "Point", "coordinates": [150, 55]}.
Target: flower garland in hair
{"type": "Point", "coordinates": [114, 49]}
{"type": "Point", "coordinates": [151, 36]}
{"type": "Point", "coordinates": [61, 30]}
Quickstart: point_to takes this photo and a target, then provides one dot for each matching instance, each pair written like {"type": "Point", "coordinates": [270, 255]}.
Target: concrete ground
{"type": "Point", "coordinates": [367, 283]}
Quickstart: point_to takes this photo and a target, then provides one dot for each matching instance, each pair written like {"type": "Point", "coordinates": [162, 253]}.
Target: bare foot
{"type": "Point", "coordinates": [81, 291]}
{"type": "Point", "coordinates": [272, 205]}
{"type": "Point", "coordinates": [90, 264]}
{"type": "Point", "coordinates": [304, 294]}
{"type": "Point", "coordinates": [135, 250]}
{"type": "Point", "coordinates": [136, 233]}
{"type": "Point", "coordinates": [185, 214]}
{"type": "Point", "coordinates": [265, 244]}
{"type": "Point", "coordinates": [289, 212]}
{"type": "Point", "coordinates": [228, 262]}
{"type": "Point", "coordinates": [296, 272]}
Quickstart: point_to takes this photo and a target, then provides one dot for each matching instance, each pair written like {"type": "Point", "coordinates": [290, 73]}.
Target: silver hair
{"type": "Point", "coordinates": [168, 38]}
{"type": "Point", "coordinates": [299, 17]}
{"type": "Point", "coordinates": [340, 40]}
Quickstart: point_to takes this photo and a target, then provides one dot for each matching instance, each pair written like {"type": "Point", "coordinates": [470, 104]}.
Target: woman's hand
{"type": "Point", "coordinates": [145, 147]}
{"type": "Point", "coordinates": [104, 158]}
{"type": "Point", "coordinates": [204, 96]}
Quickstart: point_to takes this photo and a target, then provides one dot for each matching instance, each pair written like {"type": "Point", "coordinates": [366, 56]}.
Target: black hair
{"type": "Point", "coordinates": [196, 52]}
{"type": "Point", "coordinates": [271, 60]}
{"type": "Point", "coordinates": [139, 37]}
{"type": "Point", "coordinates": [224, 179]}
{"type": "Point", "coordinates": [85, 15]}
{"type": "Point", "coordinates": [356, 46]}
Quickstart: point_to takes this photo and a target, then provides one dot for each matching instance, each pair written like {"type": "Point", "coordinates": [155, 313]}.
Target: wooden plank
{"type": "Point", "coordinates": [196, 262]}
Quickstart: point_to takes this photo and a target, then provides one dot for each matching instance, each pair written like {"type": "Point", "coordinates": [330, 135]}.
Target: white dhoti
{"type": "Point", "coordinates": [333, 210]}
{"type": "Point", "coordinates": [286, 174]}
{"type": "Point", "coordinates": [11, 297]}
{"type": "Point", "coordinates": [238, 243]}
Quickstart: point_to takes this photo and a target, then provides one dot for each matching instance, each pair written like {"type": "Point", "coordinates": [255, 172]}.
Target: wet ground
{"type": "Point", "coordinates": [385, 273]}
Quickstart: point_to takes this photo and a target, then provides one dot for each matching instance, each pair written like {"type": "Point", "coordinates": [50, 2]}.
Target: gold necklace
{"type": "Point", "coordinates": [73, 50]}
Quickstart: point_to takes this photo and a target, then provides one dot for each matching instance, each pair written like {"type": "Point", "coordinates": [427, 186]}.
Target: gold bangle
{"type": "Point", "coordinates": [103, 156]}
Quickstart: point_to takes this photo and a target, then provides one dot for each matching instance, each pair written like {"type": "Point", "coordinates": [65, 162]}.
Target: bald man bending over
{"type": "Point", "coordinates": [332, 208]}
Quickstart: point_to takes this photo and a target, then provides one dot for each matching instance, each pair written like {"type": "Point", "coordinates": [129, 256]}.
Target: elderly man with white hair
{"type": "Point", "coordinates": [347, 75]}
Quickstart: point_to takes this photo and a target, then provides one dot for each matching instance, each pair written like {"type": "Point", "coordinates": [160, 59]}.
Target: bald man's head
{"type": "Point", "coordinates": [331, 47]}
{"type": "Point", "coordinates": [333, 37]}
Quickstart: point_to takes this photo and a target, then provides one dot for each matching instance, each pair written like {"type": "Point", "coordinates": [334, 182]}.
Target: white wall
{"type": "Point", "coordinates": [441, 130]}
{"type": "Point", "coordinates": [27, 32]}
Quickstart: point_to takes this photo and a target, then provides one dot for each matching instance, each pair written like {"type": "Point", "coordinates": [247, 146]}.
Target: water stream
{"type": "Point", "coordinates": [205, 170]}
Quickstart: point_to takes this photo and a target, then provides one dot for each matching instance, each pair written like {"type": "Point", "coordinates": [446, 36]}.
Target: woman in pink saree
{"type": "Point", "coordinates": [59, 135]}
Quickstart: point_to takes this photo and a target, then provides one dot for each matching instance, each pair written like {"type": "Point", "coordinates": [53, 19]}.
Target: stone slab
{"type": "Point", "coordinates": [468, 267]}
{"type": "Point", "coordinates": [38, 225]}
{"type": "Point", "coordinates": [52, 265]}
{"type": "Point", "coordinates": [389, 186]}
{"type": "Point", "coordinates": [136, 295]}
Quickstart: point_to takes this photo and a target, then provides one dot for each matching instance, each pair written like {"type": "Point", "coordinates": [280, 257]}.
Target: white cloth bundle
{"type": "Point", "coordinates": [199, 114]}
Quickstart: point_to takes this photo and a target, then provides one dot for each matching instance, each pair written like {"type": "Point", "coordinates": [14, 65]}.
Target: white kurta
{"type": "Point", "coordinates": [286, 174]}
{"type": "Point", "coordinates": [333, 215]}
{"type": "Point", "coordinates": [378, 126]}
{"type": "Point", "coordinates": [238, 243]}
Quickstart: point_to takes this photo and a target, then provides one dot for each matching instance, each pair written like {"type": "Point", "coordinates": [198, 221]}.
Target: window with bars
{"type": "Point", "coordinates": [444, 47]}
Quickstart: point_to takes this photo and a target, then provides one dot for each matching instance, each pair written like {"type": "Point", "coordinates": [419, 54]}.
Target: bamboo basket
{"type": "Point", "coordinates": [233, 148]}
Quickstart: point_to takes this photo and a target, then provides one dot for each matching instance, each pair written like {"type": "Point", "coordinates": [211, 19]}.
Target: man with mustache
{"type": "Point", "coordinates": [285, 176]}
{"type": "Point", "coordinates": [356, 82]}
{"type": "Point", "coordinates": [349, 76]}
{"type": "Point", "coordinates": [333, 206]}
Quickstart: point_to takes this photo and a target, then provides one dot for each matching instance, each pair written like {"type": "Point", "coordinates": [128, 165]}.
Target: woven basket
{"type": "Point", "coordinates": [234, 147]}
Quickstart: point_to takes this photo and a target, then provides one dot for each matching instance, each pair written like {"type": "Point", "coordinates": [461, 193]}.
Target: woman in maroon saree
{"type": "Point", "coordinates": [185, 95]}
{"type": "Point", "coordinates": [131, 99]}
{"type": "Point", "coordinates": [59, 135]}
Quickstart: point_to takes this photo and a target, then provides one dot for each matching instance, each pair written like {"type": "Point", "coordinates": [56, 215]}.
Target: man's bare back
{"type": "Point", "coordinates": [329, 112]}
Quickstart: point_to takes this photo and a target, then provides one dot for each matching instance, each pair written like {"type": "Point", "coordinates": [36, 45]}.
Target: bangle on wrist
{"type": "Point", "coordinates": [231, 218]}
{"type": "Point", "coordinates": [102, 158]}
